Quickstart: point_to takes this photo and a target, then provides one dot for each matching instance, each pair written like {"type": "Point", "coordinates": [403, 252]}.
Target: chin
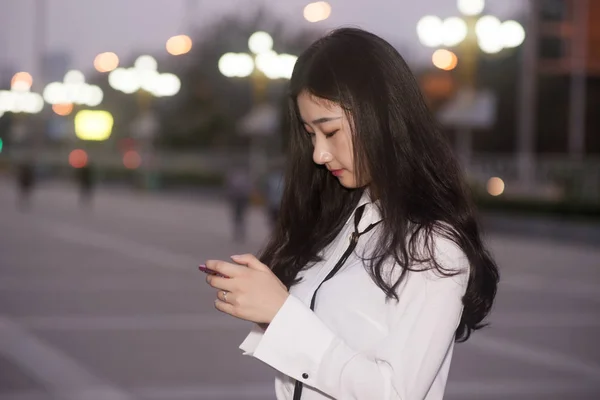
{"type": "Point", "coordinates": [349, 183]}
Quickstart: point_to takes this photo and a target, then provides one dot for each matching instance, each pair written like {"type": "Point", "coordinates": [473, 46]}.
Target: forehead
{"type": "Point", "coordinates": [311, 106]}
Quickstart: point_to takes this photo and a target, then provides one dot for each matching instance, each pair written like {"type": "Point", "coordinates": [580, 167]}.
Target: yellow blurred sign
{"type": "Point", "coordinates": [93, 125]}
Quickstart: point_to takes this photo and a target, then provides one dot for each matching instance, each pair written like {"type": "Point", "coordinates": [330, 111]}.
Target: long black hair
{"type": "Point", "coordinates": [410, 165]}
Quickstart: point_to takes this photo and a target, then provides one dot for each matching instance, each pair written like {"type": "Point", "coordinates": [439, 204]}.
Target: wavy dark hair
{"type": "Point", "coordinates": [411, 168]}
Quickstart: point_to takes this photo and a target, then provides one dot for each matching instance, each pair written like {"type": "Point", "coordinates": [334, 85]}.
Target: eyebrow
{"type": "Point", "coordinates": [320, 121]}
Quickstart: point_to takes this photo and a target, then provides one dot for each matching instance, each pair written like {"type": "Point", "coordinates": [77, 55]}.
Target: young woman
{"type": "Point", "coordinates": [376, 266]}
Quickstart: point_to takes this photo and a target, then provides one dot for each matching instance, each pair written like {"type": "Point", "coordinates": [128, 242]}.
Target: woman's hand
{"type": "Point", "coordinates": [253, 292]}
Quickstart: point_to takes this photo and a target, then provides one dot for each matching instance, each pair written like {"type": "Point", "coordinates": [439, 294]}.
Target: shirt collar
{"type": "Point", "coordinates": [371, 213]}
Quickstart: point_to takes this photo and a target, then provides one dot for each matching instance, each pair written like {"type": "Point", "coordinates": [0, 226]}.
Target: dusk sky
{"type": "Point", "coordinates": [85, 27]}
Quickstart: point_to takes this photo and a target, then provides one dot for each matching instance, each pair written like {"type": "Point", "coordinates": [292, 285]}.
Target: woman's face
{"type": "Point", "coordinates": [329, 129]}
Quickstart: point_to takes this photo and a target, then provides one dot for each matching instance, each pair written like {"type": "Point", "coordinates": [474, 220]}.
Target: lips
{"type": "Point", "coordinates": [337, 172]}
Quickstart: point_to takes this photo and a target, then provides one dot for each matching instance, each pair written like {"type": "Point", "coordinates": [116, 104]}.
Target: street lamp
{"type": "Point", "coordinates": [19, 99]}
{"type": "Point", "coordinates": [144, 75]}
{"type": "Point", "coordinates": [145, 79]}
{"type": "Point", "coordinates": [262, 59]}
{"type": "Point", "coordinates": [261, 64]}
{"type": "Point", "coordinates": [491, 34]}
{"type": "Point", "coordinates": [73, 90]}
{"type": "Point", "coordinates": [471, 32]}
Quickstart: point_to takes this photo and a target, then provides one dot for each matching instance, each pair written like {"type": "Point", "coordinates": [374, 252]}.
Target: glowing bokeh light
{"type": "Point", "coordinates": [62, 109]}
{"type": "Point", "coordinates": [132, 159]}
{"type": "Point", "coordinates": [93, 125]}
{"type": "Point", "coordinates": [317, 11]}
{"type": "Point", "coordinates": [454, 31]}
{"type": "Point", "coordinates": [21, 81]}
{"type": "Point", "coordinates": [512, 33]}
{"type": "Point", "coordinates": [260, 42]}
{"type": "Point", "coordinates": [106, 62]}
{"type": "Point", "coordinates": [78, 158]}
{"type": "Point", "coordinates": [495, 186]}
{"type": "Point", "coordinates": [144, 75]}
{"type": "Point", "coordinates": [178, 45]}
{"type": "Point", "coordinates": [236, 65]}
{"type": "Point", "coordinates": [73, 90]}
{"type": "Point", "coordinates": [471, 7]}
{"type": "Point", "coordinates": [20, 100]}
{"type": "Point", "coordinates": [430, 30]}
{"type": "Point", "coordinates": [444, 59]}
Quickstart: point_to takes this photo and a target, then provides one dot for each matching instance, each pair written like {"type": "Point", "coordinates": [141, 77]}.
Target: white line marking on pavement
{"type": "Point", "coordinates": [545, 320]}
{"type": "Point", "coordinates": [215, 321]}
{"type": "Point", "coordinates": [148, 322]}
{"type": "Point", "coordinates": [519, 388]}
{"type": "Point", "coordinates": [250, 391]}
{"type": "Point", "coordinates": [542, 357]}
{"type": "Point", "coordinates": [573, 289]}
{"type": "Point", "coordinates": [131, 249]}
{"type": "Point", "coordinates": [209, 392]}
{"type": "Point", "coordinates": [54, 369]}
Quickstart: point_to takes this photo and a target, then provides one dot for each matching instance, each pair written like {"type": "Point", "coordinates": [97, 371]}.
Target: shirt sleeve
{"type": "Point", "coordinates": [402, 366]}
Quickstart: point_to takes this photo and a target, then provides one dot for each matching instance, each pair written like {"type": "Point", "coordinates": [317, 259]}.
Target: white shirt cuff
{"type": "Point", "coordinates": [249, 344]}
{"type": "Point", "coordinates": [295, 342]}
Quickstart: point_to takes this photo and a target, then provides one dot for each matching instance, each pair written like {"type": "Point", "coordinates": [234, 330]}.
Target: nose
{"type": "Point", "coordinates": [322, 157]}
{"type": "Point", "coordinates": [321, 154]}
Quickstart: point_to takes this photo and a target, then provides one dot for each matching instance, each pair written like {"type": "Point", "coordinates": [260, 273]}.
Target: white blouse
{"type": "Point", "coordinates": [357, 345]}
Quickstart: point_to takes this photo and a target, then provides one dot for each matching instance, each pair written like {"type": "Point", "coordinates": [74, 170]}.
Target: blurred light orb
{"type": "Point", "coordinates": [178, 45]}
{"type": "Point", "coordinates": [490, 44]}
{"type": "Point", "coordinates": [471, 7]}
{"type": "Point", "coordinates": [132, 159]}
{"type": "Point", "coordinates": [287, 63]}
{"type": "Point", "coordinates": [260, 42]}
{"type": "Point", "coordinates": [495, 186]}
{"type": "Point", "coordinates": [146, 62]}
{"type": "Point", "coordinates": [106, 62]}
{"type": "Point", "coordinates": [238, 65]}
{"type": "Point", "coordinates": [21, 81]}
{"type": "Point", "coordinates": [430, 30]}
{"type": "Point", "coordinates": [74, 77]}
{"type": "Point", "coordinates": [166, 85]}
{"type": "Point", "coordinates": [78, 158]}
{"type": "Point", "coordinates": [487, 25]}
{"type": "Point", "coordinates": [62, 109]}
{"type": "Point", "coordinates": [317, 11]}
{"type": "Point", "coordinates": [20, 100]}
{"type": "Point", "coordinates": [73, 90]}
{"type": "Point", "coordinates": [144, 75]}
{"type": "Point", "coordinates": [489, 34]}
{"type": "Point", "coordinates": [513, 34]}
{"type": "Point", "coordinates": [93, 125]}
{"type": "Point", "coordinates": [454, 31]}
{"type": "Point", "coordinates": [444, 59]}
{"type": "Point", "coordinates": [124, 80]}
{"type": "Point", "coordinates": [268, 64]}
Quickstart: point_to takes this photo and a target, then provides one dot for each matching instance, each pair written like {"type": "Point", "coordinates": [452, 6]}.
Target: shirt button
{"type": "Point", "coordinates": [305, 375]}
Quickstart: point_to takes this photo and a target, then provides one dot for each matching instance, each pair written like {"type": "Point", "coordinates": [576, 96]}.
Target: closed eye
{"type": "Point", "coordinates": [330, 134]}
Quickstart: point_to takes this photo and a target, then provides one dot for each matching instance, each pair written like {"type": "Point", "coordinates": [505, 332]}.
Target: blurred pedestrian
{"type": "Point", "coordinates": [239, 189]}
{"type": "Point", "coordinates": [85, 180]}
{"type": "Point", "coordinates": [273, 194]}
{"type": "Point", "coordinates": [25, 183]}
{"type": "Point", "coordinates": [378, 266]}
